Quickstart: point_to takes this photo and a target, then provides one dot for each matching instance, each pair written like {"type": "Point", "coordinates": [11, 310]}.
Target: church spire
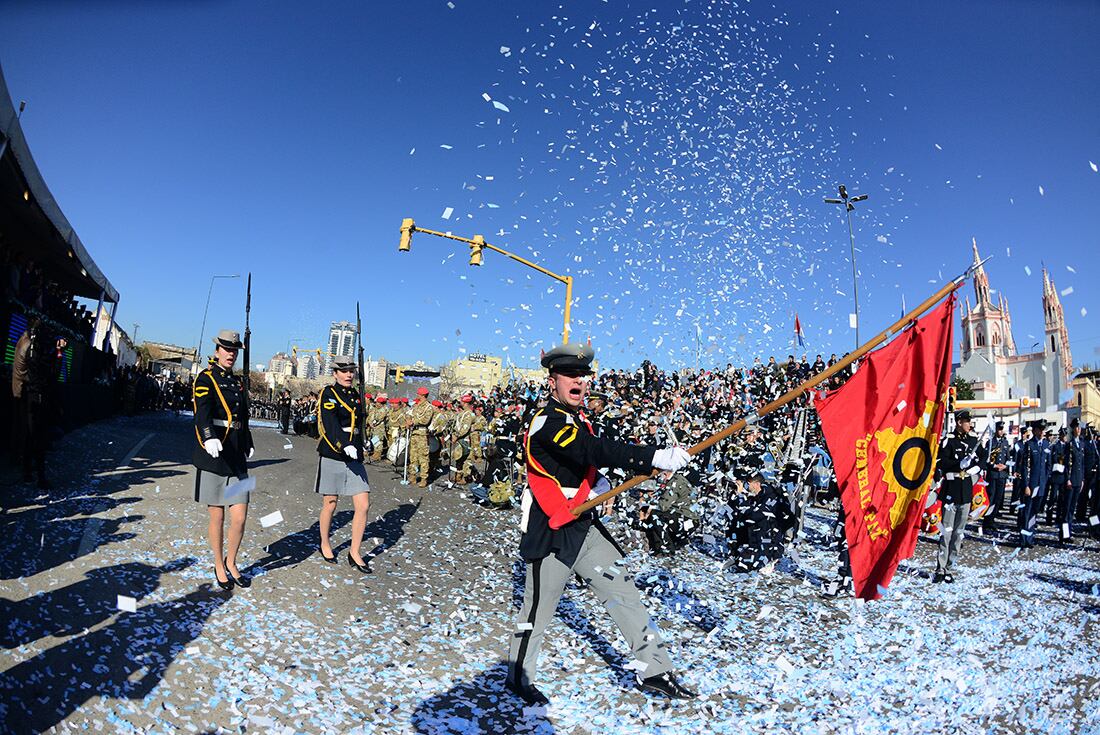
{"type": "Point", "coordinates": [981, 281]}
{"type": "Point", "coordinates": [1057, 340]}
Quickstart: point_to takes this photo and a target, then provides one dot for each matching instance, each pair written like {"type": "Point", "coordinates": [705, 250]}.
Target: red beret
{"type": "Point", "coordinates": [380, 399]}
{"type": "Point", "coordinates": [395, 401]}
{"type": "Point", "coordinates": [422, 391]}
{"type": "Point", "coordinates": [403, 399]}
{"type": "Point", "coordinates": [437, 403]}
{"type": "Point", "coordinates": [368, 396]}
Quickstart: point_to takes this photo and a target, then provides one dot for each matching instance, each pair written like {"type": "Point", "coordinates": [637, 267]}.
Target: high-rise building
{"type": "Point", "coordinates": [309, 367]}
{"type": "Point", "coordinates": [341, 341]}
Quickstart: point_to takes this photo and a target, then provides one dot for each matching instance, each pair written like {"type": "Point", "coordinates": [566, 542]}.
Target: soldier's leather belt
{"type": "Point", "coordinates": [227, 424]}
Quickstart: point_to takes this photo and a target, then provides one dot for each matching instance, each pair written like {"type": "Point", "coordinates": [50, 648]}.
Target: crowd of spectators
{"type": "Point", "coordinates": [28, 289]}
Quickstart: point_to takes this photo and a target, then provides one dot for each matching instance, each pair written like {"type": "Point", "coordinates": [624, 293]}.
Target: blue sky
{"type": "Point", "coordinates": [671, 156]}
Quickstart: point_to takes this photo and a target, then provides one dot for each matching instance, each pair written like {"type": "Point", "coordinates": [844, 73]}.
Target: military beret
{"type": "Point", "coordinates": [403, 399]}
{"type": "Point", "coordinates": [395, 401]}
{"type": "Point", "coordinates": [343, 362]}
{"type": "Point", "coordinates": [422, 391]}
{"type": "Point", "coordinates": [368, 396]}
{"type": "Point", "coordinates": [380, 399]}
{"type": "Point", "coordinates": [467, 398]}
{"type": "Point", "coordinates": [569, 358]}
{"type": "Point", "coordinates": [229, 339]}
{"type": "Point", "coordinates": [437, 403]}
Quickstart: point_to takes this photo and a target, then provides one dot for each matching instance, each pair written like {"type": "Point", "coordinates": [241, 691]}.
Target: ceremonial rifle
{"type": "Point", "coordinates": [795, 392]}
{"type": "Point", "coordinates": [247, 355]}
{"type": "Point", "coordinates": [362, 383]}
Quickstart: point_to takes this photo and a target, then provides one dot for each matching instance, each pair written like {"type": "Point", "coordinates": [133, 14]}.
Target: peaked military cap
{"type": "Point", "coordinates": [569, 358]}
{"type": "Point", "coordinates": [1074, 423]}
{"type": "Point", "coordinates": [999, 425]}
{"type": "Point", "coordinates": [962, 415]}
{"type": "Point", "coordinates": [1037, 424]}
{"type": "Point", "coordinates": [229, 339]}
{"type": "Point", "coordinates": [343, 362]}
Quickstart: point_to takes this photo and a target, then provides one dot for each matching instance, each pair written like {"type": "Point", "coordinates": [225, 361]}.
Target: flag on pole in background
{"type": "Point", "coordinates": [882, 428]}
{"type": "Point", "coordinates": [798, 332]}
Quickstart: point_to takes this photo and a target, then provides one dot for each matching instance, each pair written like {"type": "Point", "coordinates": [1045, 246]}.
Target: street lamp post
{"type": "Point", "coordinates": [477, 244]}
{"type": "Point", "coordinates": [202, 331]}
{"type": "Point", "coordinates": [849, 205]}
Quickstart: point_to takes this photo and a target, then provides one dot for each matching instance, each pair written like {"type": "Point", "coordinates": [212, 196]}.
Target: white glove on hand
{"type": "Point", "coordinates": [213, 447]}
{"type": "Point", "coordinates": [351, 451]}
{"type": "Point", "coordinates": [251, 451]}
{"type": "Point", "coordinates": [671, 459]}
{"type": "Point", "coordinates": [964, 463]}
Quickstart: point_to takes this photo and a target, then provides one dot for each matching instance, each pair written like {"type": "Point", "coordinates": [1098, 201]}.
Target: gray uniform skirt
{"type": "Point", "coordinates": [337, 477]}
{"type": "Point", "coordinates": [210, 489]}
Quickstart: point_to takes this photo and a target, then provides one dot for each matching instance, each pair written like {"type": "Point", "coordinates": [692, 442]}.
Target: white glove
{"type": "Point", "coordinates": [964, 463]}
{"type": "Point", "coordinates": [351, 451]}
{"type": "Point", "coordinates": [251, 451]}
{"type": "Point", "coordinates": [671, 459]}
{"type": "Point", "coordinates": [213, 447]}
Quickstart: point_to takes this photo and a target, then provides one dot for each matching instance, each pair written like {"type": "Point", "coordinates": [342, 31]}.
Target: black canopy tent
{"type": "Point", "coordinates": [32, 223]}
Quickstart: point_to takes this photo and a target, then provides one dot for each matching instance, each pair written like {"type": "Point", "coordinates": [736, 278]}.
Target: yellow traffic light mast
{"type": "Point", "coordinates": [477, 245]}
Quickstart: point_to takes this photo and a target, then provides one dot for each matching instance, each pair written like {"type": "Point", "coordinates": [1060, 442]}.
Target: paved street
{"type": "Point", "coordinates": [418, 645]}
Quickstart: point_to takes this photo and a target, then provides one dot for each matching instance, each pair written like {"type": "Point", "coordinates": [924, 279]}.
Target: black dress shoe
{"type": "Point", "coordinates": [949, 578]}
{"type": "Point", "coordinates": [241, 581]}
{"type": "Point", "coordinates": [227, 584]}
{"type": "Point", "coordinates": [529, 694]}
{"type": "Point", "coordinates": [330, 559]}
{"type": "Point", "coordinates": [364, 568]}
{"type": "Point", "coordinates": [666, 684]}
{"type": "Point", "coordinates": [938, 577]}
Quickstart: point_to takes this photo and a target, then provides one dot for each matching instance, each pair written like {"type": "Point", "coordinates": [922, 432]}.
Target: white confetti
{"type": "Point", "coordinates": [271, 519]}
{"type": "Point", "coordinates": [127, 604]}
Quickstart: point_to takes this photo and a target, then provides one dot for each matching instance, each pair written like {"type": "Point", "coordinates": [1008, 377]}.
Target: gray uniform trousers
{"type": "Point", "coordinates": [952, 531]}
{"type": "Point", "coordinates": [614, 588]}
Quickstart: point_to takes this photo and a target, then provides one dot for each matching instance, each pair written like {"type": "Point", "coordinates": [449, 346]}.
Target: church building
{"type": "Point", "coordinates": [991, 363]}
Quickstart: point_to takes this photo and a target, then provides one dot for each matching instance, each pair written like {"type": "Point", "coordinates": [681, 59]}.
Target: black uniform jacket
{"type": "Point", "coordinates": [339, 414]}
{"type": "Point", "coordinates": [562, 444]}
{"type": "Point", "coordinates": [958, 485]}
{"type": "Point", "coordinates": [218, 397]}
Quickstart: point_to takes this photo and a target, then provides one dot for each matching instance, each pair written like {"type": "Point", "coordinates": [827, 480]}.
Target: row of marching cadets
{"type": "Point", "coordinates": [1045, 473]}
{"type": "Point", "coordinates": [224, 445]}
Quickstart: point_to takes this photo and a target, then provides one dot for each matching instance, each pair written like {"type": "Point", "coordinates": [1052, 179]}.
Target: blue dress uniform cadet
{"type": "Point", "coordinates": [222, 446]}
{"type": "Point", "coordinates": [1033, 466]}
{"type": "Point", "coordinates": [1076, 449]}
{"type": "Point", "coordinates": [562, 455]}
{"type": "Point", "coordinates": [956, 467]}
{"type": "Point", "coordinates": [996, 457]}
{"type": "Point", "coordinates": [340, 468]}
{"type": "Point", "coordinates": [1055, 487]}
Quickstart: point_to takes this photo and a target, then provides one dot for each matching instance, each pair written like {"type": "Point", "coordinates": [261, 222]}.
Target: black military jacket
{"type": "Point", "coordinates": [218, 398]}
{"type": "Point", "coordinates": [957, 487]}
{"type": "Point", "coordinates": [997, 451]}
{"type": "Point", "coordinates": [339, 414]}
{"type": "Point", "coordinates": [562, 444]}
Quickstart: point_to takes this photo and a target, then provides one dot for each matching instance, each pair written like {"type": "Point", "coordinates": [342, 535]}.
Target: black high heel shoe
{"type": "Point", "coordinates": [330, 559]}
{"type": "Point", "coordinates": [364, 568]}
{"type": "Point", "coordinates": [227, 584]}
{"type": "Point", "coordinates": [241, 581]}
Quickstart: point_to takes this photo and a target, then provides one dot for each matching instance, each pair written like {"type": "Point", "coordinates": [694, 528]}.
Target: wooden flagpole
{"type": "Point", "coordinates": [794, 393]}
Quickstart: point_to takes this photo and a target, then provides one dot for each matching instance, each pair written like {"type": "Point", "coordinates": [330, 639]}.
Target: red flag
{"type": "Point", "coordinates": [882, 428]}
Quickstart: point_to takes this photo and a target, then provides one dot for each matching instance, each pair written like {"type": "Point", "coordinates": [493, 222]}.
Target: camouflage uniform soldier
{"type": "Point", "coordinates": [463, 431]}
{"type": "Point", "coordinates": [376, 424]}
{"type": "Point", "coordinates": [420, 418]}
{"type": "Point", "coordinates": [480, 426]}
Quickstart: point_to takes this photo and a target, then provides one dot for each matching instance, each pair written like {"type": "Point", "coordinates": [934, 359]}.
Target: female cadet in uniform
{"type": "Point", "coordinates": [221, 452]}
{"type": "Point", "coordinates": [340, 469]}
